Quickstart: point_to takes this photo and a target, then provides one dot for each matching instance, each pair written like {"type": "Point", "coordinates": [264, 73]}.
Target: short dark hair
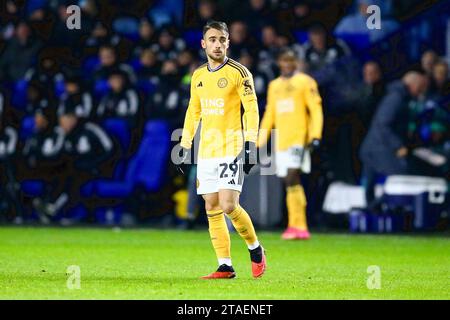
{"type": "Point", "coordinates": [317, 28]}
{"type": "Point", "coordinates": [286, 53]}
{"type": "Point", "coordinates": [218, 25]}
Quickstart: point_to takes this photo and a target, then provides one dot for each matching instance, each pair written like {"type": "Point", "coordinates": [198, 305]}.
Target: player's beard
{"type": "Point", "coordinates": [217, 59]}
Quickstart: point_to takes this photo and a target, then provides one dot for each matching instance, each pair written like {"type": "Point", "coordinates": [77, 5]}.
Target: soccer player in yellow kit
{"type": "Point", "coordinates": [294, 109]}
{"type": "Point", "coordinates": [227, 145]}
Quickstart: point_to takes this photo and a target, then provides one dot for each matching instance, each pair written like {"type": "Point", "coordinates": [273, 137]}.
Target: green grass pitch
{"type": "Point", "coordinates": [167, 264]}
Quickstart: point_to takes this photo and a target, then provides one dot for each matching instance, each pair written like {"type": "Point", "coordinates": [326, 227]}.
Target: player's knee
{"type": "Point", "coordinates": [211, 206]}
{"type": "Point", "coordinates": [228, 206]}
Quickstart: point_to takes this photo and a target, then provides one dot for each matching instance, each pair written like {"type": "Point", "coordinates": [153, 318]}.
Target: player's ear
{"type": "Point", "coordinates": [203, 43]}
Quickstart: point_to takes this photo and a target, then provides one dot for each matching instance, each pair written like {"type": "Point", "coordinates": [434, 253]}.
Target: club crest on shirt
{"type": "Point", "coordinates": [222, 83]}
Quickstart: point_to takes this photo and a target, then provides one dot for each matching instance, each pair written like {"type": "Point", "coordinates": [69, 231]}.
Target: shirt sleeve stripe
{"type": "Point", "coordinates": [239, 68]}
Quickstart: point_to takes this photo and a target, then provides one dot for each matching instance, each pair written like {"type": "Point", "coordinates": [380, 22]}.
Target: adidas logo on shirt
{"type": "Point", "coordinates": [231, 182]}
{"type": "Point", "coordinates": [200, 84]}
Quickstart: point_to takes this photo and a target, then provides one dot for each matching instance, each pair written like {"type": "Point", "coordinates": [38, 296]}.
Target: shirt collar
{"type": "Point", "coordinates": [218, 67]}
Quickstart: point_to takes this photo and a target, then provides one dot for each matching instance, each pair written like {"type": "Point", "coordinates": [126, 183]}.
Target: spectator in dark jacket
{"type": "Point", "coordinates": [47, 73]}
{"type": "Point", "coordinates": [63, 36]}
{"type": "Point", "coordinates": [168, 46]}
{"type": "Point", "coordinates": [109, 63]}
{"type": "Point", "coordinates": [75, 98]}
{"type": "Point", "coordinates": [241, 41]}
{"type": "Point", "coordinates": [260, 13]}
{"type": "Point", "coordinates": [9, 191]}
{"type": "Point", "coordinates": [384, 150]}
{"type": "Point", "coordinates": [372, 91]}
{"type": "Point", "coordinates": [150, 66]}
{"type": "Point", "coordinates": [19, 53]}
{"type": "Point", "coordinates": [269, 49]}
{"type": "Point", "coordinates": [440, 82]}
{"type": "Point", "coordinates": [37, 98]}
{"type": "Point", "coordinates": [100, 36]}
{"type": "Point", "coordinates": [206, 10]}
{"type": "Point", "coordinates": [321, 51]}
{"type": "Point", "coordinates": [147, 36]}
{"type": "Point", "coordinates": [428, 60]}
{"type": "Point", "coordinates": [261, 77]}
{"type": "Point", "coordinates": [43, 145]}
{"type": "Point", "coordinates": [165, 102]}
{"type": "Point", "coordinates": [121, 102]}
{"type": "Point", "coordinates": [89, 153]}
{"type": "Point", "coordinates": [10, 17]}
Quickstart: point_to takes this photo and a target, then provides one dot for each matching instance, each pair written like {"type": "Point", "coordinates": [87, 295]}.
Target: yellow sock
{"type": "Point", "coordinates": [218, 231]}
{"type": "Point", "coordinates": [296, 205]}
{"type": "Point", "coordinates": [244, 226]}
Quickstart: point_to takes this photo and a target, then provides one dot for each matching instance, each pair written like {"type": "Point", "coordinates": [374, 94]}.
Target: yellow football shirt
{"type": "Point", "coordinates": [225, 102]}
{"type": "Point", "coordinates": [294, 109]}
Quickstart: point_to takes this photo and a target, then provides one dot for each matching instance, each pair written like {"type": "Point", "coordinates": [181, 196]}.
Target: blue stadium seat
{"type": "Point", "coordinates": [146, 87]}
{"type": "Point", "coordinates": [192, 38]}
{"type": "Point", "coordinates": [90, 64]}
{"type": "Point", "coordinates": [27, 127]}
{"type": "Point", "coordinates": [425, 132]}
{"type": "Point", "coordinates": [355, 41]}
{"type": "Point", "coordinates": [119, 188]}
{"type": "Point", "coordinates": [60, 88]}
{"type": "Point", "coordinates": [127, 27]}
{"type": "Point", "coordinates": [153, 160]}
{"type": "Point", "coordinates": [135, 64]}
{"type": "Point", "coordinates": [146, 167]}
{"type": "Point", "coordinates": [170, 8]}
{"type": "Point", "coordinates": [160, 17]}
{"type": "Point", "coordinates": [119, 129]}
{"type": "Point", "coordinates": [33, 188]}
{"type": "Point", "coordinates": [78, 213]}
{"type": "Point", "coordinates": [33, 5]}
{"type": "Point", "coordinates": [301, 36]}
{"type": "Point", "coordinates": [101, 88]}
{"type": "Point", "coordinates": [19, 96]}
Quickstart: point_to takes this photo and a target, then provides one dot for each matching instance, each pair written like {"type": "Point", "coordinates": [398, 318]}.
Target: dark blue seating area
{"type": "Point", "coordinates": [145, 170]}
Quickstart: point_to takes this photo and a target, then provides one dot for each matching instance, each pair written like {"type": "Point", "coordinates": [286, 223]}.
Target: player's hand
{"type": "Point", "coordinates": [402, 152]}
{"type": "Point", "coordinates": [248, 156]}
{"type": "Point", "coordinates": [182, 167]}
{"type": "Point", "coordinates": [314, 145]}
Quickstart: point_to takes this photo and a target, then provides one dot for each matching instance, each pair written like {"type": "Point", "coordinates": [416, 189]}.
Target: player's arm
{"type": "Point", "coordinates": [192, 118]}
{"type": "Point", "coordinates": [250, 119]}
{"type": "Point", "coordinates": [314, 106]}
{"type": "Point", "coordinates": [268, 119]}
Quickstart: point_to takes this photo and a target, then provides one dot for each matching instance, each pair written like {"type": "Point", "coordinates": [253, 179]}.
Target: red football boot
{"type": "Point", "coordinates": [289, 234]}
{"type": "Point", "coordinates": [223, 272]}
{"type": "Point", "coordinates": [258, 268]}
{"type": "Point", "coordinates": [303, 235]}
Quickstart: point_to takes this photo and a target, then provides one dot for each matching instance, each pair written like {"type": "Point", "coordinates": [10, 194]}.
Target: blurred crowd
{"type": "Point", "coordinates": [60, 87]}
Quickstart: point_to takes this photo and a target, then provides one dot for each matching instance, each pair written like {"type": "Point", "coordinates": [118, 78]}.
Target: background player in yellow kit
{"type": "Point", "coordinates": [294, 109]}
{"type": "Point", "coordinates": [227, 145]}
